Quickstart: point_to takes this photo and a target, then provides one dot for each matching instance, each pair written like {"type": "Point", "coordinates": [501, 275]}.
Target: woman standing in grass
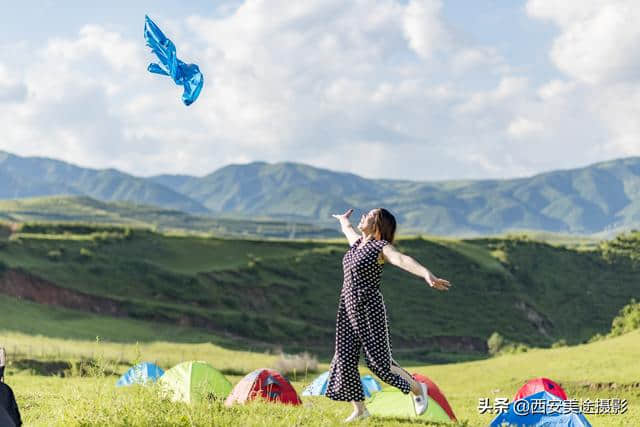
{"type": "Point", "coordinates": [362, 320]}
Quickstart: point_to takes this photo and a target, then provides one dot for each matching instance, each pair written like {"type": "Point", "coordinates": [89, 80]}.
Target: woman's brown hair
{"type": "Point", "coordinates": [384, 225]}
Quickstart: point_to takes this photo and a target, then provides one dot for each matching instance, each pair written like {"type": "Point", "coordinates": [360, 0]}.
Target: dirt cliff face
{"type": "Point", "coordinates": [6, 230]}
{"type": "Point", "coordinates": [19, 284]}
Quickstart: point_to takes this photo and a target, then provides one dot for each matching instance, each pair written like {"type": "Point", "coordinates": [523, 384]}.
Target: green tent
{"type": "Point", "coordinates": [194, 381]}
{"type": "Point", "coordinates": [391, 402]}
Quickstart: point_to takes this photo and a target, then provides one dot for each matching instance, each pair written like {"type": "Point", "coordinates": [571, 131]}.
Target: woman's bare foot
{"type": "Point", "coordinates": [357, 416]}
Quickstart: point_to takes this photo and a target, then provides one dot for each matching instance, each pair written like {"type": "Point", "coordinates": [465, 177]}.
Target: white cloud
{"type": "Point", "coordinates": [11, 89]}
{"type": "Point", "coordinates": [423, 27]}
{"type": "Point", "coordinates": [556, 89]}
{"type": "Point", "coordinates": [283, 81]}
{"type": "Point", "coordinates": [598, 40]}
{"type": "Point", "coordinates": [507, 88]}
{"type": "Point", "coordinates": [468, 58]}
{"type": "Point", "coordinates": [12, 92]}
{"type": "Point", "coordinates": [94, 40]}
{"type": "Point", "coordinates": [381, 88]}
{"type": "Point", "coordinates": [619, 106]}
{"type": "Point", "coordinates": [523, 127]}
{"type": "Point", "coordinates": [597, 48]}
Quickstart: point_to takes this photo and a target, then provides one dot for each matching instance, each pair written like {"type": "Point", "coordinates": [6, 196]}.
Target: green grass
{"type": "Point", "coordinates": [58, 322]}
{"type": "Point", "coordinates": [94, 400]}
{"type": "Point", "coordinates": [164, 353]}
{"type": "Point", "coordinates": [487, 259]}
{"type": "Point", "coordinates": [261, 295]}
{"type": "Point", "coordinates": [287, 292]}
{"type": "Point", "coordinates": [575, 368]}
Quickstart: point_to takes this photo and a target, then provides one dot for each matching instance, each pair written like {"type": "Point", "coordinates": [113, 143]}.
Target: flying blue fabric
{"type": "Point", "coordinates": [319, 386]}
{"type": "Point", "coordinates": [187, 75]}
{"type": "Point", "coordinates": [142, 373]}
{"type": "Point", "coordinates": [547, 417]}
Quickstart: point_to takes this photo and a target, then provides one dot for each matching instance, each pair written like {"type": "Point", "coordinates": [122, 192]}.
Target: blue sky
{"type": "Point", "coordinates": [412, 89]}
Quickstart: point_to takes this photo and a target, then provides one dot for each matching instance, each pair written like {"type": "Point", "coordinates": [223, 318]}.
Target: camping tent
{"type": "Point", "coordinates": [319, 386]}
{"type": "Point", "coordinates": [265, 383]}
{"type": "Point", "coordinates": [539, 384]}
{"type": "Point", "coordinates": [194, 381]}
{"type": "Point", "coordinates": [532, 413]}
{"type": "Point", "coordinates": [391, 402]}
{"type": "Point", "coordinates": [142, 373]}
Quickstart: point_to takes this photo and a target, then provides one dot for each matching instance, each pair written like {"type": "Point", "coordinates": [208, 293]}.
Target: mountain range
{"type": "Point", "coordinates": [600, 198]}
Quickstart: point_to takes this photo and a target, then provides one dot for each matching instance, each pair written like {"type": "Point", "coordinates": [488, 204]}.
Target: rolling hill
{"type": "Point", "coordinates": [285, 292]}
{"type": "Point", "coordinates": [83, 209]}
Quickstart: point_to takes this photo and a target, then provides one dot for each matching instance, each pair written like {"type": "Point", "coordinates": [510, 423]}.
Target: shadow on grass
{"type": "Point", "coordinates": [59, 368]}
{"type": "Point", "coordinates": [83, 367]}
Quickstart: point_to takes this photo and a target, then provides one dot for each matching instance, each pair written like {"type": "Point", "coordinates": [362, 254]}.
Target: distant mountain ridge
{"type": "Point", "coordinates": [596, 198]}
{"type": "Point", "coordinates": [22, 177]}
{"type": "Point", "coordinates": [593, 199]}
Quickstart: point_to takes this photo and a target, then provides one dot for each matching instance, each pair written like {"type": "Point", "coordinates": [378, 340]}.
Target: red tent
{"type": "Point", "coordinates": [539, 384]}
{"type": "Point", "coordinates": [434, 392]}
{"type": "Point", "coordinates": [265, 383]}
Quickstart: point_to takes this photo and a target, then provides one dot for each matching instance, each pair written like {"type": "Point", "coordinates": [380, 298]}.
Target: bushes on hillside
{"type": "Point", "coordinates": [627, 320]}
{"type": "Point", "coordinates": [560, 343]}
{"type": "Point", "coordinates": [70, 228]}
{"type": "Point", "coordinates": [497, 345]}
{"type": "Point", "coordinates": [626, 245]}
{"type": "Point", "coordinates": [54, 254]}
{"type": "Point", "coordinates": [100, 233]}
{"type": "Point", "coordinates": [85, 254]}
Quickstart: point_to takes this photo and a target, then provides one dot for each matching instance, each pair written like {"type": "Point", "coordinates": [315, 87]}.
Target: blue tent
{"type": "Point", "coordinates": [319, 386]}
{"type": "Point", "coordinates": [532, 414]}
{"type": "Point", "coordinates": [142, 373]}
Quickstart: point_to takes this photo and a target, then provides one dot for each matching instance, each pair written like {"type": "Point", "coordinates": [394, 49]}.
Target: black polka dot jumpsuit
{"type": "Point", "coordinates": [361, 325]}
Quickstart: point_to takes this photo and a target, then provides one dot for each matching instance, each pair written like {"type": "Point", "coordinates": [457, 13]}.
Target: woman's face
{"type": "Point", "coordinates": [367, 221]}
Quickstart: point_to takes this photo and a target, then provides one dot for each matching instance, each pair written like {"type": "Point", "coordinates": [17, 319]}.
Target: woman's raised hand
{"type": "Point", "coordinates": [345, 215]}
{"type": "Point", "coordinates": [436, 282]}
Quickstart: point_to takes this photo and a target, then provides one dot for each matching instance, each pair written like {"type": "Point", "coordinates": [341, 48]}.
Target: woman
{"type": "Point", "coordinates": [362, 320]}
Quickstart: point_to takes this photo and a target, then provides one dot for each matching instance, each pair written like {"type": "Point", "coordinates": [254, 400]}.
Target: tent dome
{"type": "Point", "coordinates": [523, 415]}
{"type": "Point", "coordinates": [265, 383]}
{"type": "Point", "coordinates": [142, 373]}
{"type": "Point", "coordinates": [391, 402]}
{"type": "Point", "coordinates": [318, 387]}
{"type": "Point", "coordinates": [539, 384]}
{"type": "Point", "coordinates": [194, 381]}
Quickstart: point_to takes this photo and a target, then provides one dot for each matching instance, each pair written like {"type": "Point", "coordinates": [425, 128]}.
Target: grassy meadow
{"type": "Point", "coordinates": [603, 369]}
{"type": "Point", "coordinates": [239, 303]}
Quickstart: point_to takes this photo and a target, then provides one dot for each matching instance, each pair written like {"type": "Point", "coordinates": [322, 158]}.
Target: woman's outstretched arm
{"type": "Point", "coordinates": [409, 264]}
{"type": "Point", "coordinates": [346, 227]}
